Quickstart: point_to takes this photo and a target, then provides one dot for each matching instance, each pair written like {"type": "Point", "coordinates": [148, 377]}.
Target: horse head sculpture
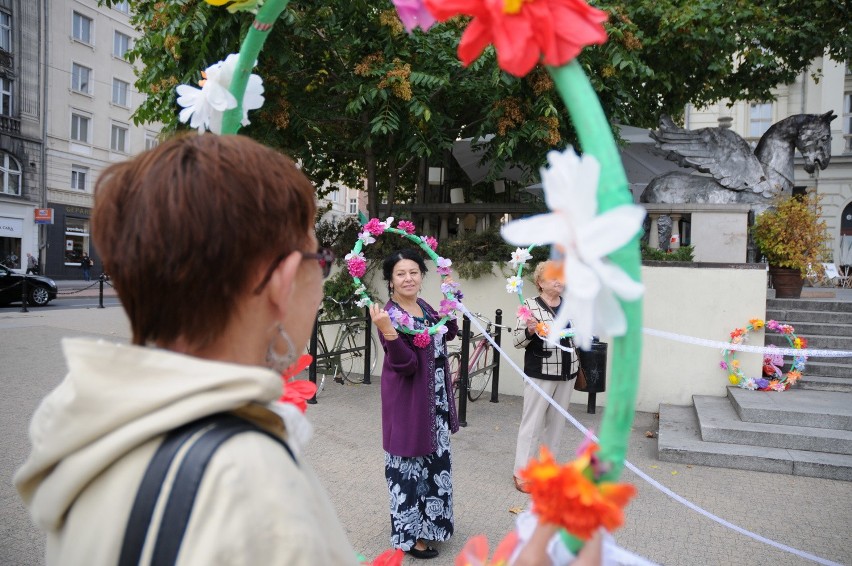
{"type": "Point", "coordinates": [735, 174]}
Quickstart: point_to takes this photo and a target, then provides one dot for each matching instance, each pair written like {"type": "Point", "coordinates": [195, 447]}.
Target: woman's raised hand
{"type": "Point", "coordinates": [381, 319]}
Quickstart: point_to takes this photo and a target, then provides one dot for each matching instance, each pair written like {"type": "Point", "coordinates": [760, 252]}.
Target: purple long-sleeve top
{"type": "Point", "coordinates": [408, 392]}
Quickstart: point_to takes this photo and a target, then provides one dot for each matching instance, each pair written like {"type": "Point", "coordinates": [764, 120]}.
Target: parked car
{"type": "Point", "coordinates": [40, 290]}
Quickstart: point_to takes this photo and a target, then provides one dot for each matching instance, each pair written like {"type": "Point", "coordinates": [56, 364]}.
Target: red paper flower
{"type": "Point", "coordinates": [523, 31]}
{"type": "Point", "coordinates": [565, 495]}
{"type": "Point", "coordinates": [298, 392]}
{"type": "Point", "coordinates": [475, 551]}
{"type": "Point", "coordinates": [392, 557]}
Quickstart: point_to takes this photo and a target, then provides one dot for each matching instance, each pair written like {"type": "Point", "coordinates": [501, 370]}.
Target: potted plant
{"type": "Point", "coordinates": [792, 236]}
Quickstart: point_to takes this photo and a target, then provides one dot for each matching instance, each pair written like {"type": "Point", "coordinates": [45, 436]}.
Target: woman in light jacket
{"type": "Point", "coordinates": [550, 367]}
{"type": "Point", "coordinates": [205, 340]}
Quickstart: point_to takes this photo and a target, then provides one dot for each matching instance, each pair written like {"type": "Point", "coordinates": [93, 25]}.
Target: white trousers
{"type": "Point", "coordinates": [541, 424]}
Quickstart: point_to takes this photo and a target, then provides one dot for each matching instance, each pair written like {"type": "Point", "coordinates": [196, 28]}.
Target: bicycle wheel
{"type": "Point", "coordinates": [454, 361]}
{"type": "Point", "coordinates": [479, 376]}
{"type": "Point", "coordinates": [352, 363]}
{"type": "Point", "coordinates": [325, 367]}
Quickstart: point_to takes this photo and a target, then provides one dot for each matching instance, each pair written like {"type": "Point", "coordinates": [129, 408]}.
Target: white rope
{"type": "Point", "coordinates": [810, 353]}
{"type": "Point", "coordinates": [634, 469]}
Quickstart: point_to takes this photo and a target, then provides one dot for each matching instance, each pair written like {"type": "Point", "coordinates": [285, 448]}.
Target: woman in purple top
{"type": "Point", "coordinates": [418, 411]}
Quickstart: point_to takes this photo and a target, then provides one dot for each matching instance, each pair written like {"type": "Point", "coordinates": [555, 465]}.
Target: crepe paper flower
{"type": "Point", "coordinates": [772, 325]}
{"type": "Point", "coordinates": [773, 357]}
{"type": "Point", "coordinates": [584, 238]}
{"type": "Point", "coordinates": [300, 364]}
{"type": "Point", "coordinates": [523, 31]}
{"type": "Point", "coordinates": [447, 307]}
{"type": "Point", "coordinates": [363, 302]}
{"type": "Point", "coordinates": [406, 226]}
{"type": "Point", "coordinates": [798, 343]}
{"type": "Point", "coordinates": [733, 379]}
{"type": "Point", "coordinates": [356, 264]}
{"type": "Point", "coordinates": [392, 557]}
{"type": "Point", "coordinates": [367, 238]}
{"type": "Point", "coordinates": [475, 551]}
{"type": "Point", "coordinates": [520, 257]}
{"type": "Point", "coordinates": [749, 384]}
{"type": "Point", "coordinates": [203, 108]}
{"type": "Point", "coordinates": [762, 383]}
{"type": "Point", "coordinates": [414, 14]}
{"type": "Point", "coordinates": [793, 376]}
{"type": "Point", "coordinates": [736, 364]}
{"type": "Point", "coordinates": [566, 495]}
{"type": "Point", "coordinates": [542, 329]}
{"type": "Point", "coordinates": [776, 385]}
{"type": "Point", "coordinates": [723, 365]}
{"type": "Point", "coordinates": [400, 318]}
{"type": "Point", "coordinates": [738, 332]}
{"type": "Point", "coordinates": [756, 323]}
{"type": "Point", "coordinates": [450, 287]}
{"type": "Point", "coordinates": [238, 5]}
{"type": "Point", "coordinates": [443, 266]}
{"type": "Point", "coordinates": [442, 330]}
{"type": "Point", "coordinates": [524, 313]}
{"type": "Point", "coordinates": [422, 339]}
{"type": "Point", "coordinates": [430, 241]}
{"type": "Point", "coordinates": [375, 227]}
{"type": "Point", "coordinates": [514, 284]}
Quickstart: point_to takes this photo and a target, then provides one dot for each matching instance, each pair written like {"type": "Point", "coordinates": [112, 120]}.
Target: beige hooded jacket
{"type": "Point", "coordinates": [93, 436]}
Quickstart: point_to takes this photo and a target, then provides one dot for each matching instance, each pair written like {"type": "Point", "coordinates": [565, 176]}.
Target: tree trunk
{"type": "Point", "coordinates": [393, 181]}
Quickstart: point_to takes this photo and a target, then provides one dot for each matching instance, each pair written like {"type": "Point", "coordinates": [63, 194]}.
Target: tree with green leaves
{"type": "Point", "coordinates": [356, 99]}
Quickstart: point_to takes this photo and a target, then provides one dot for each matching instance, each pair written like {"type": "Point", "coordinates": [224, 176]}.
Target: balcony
{"type": "Point", "coordinates": [9, 124]}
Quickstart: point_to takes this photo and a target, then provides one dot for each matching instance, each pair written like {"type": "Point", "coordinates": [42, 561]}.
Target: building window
{"type": "Point", "coordinates": [353, 206]}
{"type": "Point", "coordinates": [847, 121]}
{"type": "Point", "coordinates": [81, 28]}
{"type": "Point", "coordinates": [78, 177]}
{"type": "Point", "coordinates": [10, 170]}
{"type": "Point", "coordinates": [118, 139]}
{"type": "Point", "coordinates": [76, 240]}
{"type": "Point", "coordinates": [80, 128]}
{"type": "Point", "coordinates": [6, 32]}
{"type": "Point", "coordinates": [123, 7]}
{"type": "Point", "coordinates": [81, 78]}
{"type": "Point", "coordinates": [5, 96]}
{"type": "Point", "coordinates": [120, 44]}
{"type": "Point", "coordinates": [759, 119]}
{"type": "Point", "coordinates": [119, 92]}
{"type": "Point", "coordinates": [151, 141]}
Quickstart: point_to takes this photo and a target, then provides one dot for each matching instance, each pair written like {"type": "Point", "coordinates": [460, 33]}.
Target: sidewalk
{"type": "Point", "coordinates": [80, 288]}
{"type": "Point", "coordinates": [805, 513]}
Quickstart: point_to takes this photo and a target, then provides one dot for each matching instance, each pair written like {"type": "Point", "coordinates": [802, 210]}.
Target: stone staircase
{"type": "Point", "coordinates": [805, 431]}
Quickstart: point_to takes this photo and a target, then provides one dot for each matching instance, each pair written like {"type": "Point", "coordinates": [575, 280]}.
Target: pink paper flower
{"type": "Point", "coordinates": [414, 15]}
{"type": "Point", "coordinates": [375, 227]}
{"type": "Point", "coordinates": [406, 226]}
{"type": "Point", "coordinates": [524, 313]}
{"type": "Point", "coordinates": [356, 264]}
{"type": "Point", "coordinates": [423, 339]}
{"type": "Point", "coordinates": [443, 266]}
{"type": "Point", "coordinates": [431, 242]}
{"type": "Point", "coordinates": [447, 307]}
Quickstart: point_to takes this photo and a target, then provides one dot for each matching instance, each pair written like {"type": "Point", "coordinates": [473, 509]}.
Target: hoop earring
{"type": "Point", "coordinates": [280, 362]}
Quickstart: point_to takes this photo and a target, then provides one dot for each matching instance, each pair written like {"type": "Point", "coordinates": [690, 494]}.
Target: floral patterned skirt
{"type": "Point", "coordinates": [421, 487]}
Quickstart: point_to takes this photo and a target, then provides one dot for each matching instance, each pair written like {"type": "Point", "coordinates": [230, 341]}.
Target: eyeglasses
{"type": "Point", "coordinates": [324, 256]}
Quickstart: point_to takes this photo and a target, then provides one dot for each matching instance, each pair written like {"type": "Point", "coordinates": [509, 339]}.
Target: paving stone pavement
{"type": "Point", "coordinates": [810, 514]}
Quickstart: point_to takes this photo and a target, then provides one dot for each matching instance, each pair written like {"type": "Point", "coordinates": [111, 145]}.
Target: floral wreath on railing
{"type": "Point", "coordinates": [774, 379]}
{"type": "Point", "coordinates": [356, 264]}
{"type": "Point", "coordinates": [515, 285]}
{"type": "Point", "coordinates": [592, 228]}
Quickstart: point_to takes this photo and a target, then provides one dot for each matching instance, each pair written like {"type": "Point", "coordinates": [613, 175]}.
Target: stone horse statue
{"type": "Point", "coordinates": [735, 173]}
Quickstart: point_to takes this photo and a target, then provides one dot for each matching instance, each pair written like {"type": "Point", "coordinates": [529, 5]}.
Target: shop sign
{"type": "Point", "coordinates": [43, 215]}
{"type": "Point", "coordinates": [11, 227]}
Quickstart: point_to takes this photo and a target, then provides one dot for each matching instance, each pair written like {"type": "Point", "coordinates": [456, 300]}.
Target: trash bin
{"type": "Point", "coordinates": [594, 364]}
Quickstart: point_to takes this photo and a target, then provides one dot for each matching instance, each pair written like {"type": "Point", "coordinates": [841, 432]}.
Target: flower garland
{"type": "Point", "coordinates": [356, 264]}
{"type": "Point", "coordinates": [515, 284]}
{"type": "Point", "coordinates": [777, 380]}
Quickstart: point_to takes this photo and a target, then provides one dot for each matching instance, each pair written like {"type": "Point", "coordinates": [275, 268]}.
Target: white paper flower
{"type": "Point", "coordinates": [367, 238]}
{"type": "Point", "coordinates": [514, 284]}
{"type": "Point", "coordinates": [203, 108]}
{"type": "Point", "coordinates": [520, 257]}
{"type": "Point", "coordinates": [584, 238]}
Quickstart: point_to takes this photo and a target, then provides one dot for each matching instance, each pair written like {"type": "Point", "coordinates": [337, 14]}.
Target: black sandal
{"type": "Point", "coordinates": [426, 553]}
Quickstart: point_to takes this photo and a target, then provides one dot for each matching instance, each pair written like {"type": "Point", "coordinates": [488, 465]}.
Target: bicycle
{"type": "Point", "coordinates": [480, 364]}
{"type": "Point", "coordinates": [344, 361]}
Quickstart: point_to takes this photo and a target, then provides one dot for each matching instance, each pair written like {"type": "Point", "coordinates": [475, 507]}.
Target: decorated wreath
{"type": "Point", "coordinates": [773, 378]}
{"type": "Point", "coordinates": [356, 264]}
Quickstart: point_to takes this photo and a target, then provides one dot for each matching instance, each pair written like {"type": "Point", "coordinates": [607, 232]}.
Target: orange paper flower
{"type": "Point", "coordinates": [524, 31]}
{"type": "Point", "coordinates": [542, 329]}
{"type": "Point", "coordinates": [565, 495]}
{"type": "Point", "coordinates": [475, 551]}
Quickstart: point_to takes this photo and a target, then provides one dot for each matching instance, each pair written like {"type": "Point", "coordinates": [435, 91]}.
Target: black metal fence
{"type": "Point", "coordinates": [464, 367]}
{"type": "Point", "coordinates": [329, 353]}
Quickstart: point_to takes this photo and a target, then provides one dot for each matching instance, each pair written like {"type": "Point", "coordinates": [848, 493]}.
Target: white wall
{"type": "Point", "coordinates": [701, 302]}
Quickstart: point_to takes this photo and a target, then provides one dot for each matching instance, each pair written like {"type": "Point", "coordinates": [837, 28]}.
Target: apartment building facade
{"type": "Point", "coordinates": [22, 124]}
{"type": "Point", "coordinates": [90, 102]}
{"type": "Point", "coordinates": [827, 85]}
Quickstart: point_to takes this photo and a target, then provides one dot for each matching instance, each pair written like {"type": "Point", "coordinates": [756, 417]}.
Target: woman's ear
{"type": "Point", "coordinates": [282, 281]}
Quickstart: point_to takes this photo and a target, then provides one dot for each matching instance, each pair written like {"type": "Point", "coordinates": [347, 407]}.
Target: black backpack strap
{"type": "Point", "coordinates": [214, 431]}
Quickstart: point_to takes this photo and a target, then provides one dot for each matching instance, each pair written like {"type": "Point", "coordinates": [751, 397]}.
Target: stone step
{"type": "Point", "coordinates": [796, 317]}
{"type": "Point", "coordinates": [795, 407]}
{"type": "Point", "coordinates": [827, 367]}
{"type": "Point", "coordinates": [827, 305]}
{"type": "Point", "coordinates": [821, 329]}
{"type": "Point", "coordinates": [820, 383]}
{"type": "Point", "coordinates": [679, 440]}
{"type": "Point", "coordinates": [817, 342]}
{"type": "Point", "coordinates": [719, 422]}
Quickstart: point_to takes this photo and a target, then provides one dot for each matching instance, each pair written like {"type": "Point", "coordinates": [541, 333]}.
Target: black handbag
{"type": "Point", "coordinates": [205, 436]}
